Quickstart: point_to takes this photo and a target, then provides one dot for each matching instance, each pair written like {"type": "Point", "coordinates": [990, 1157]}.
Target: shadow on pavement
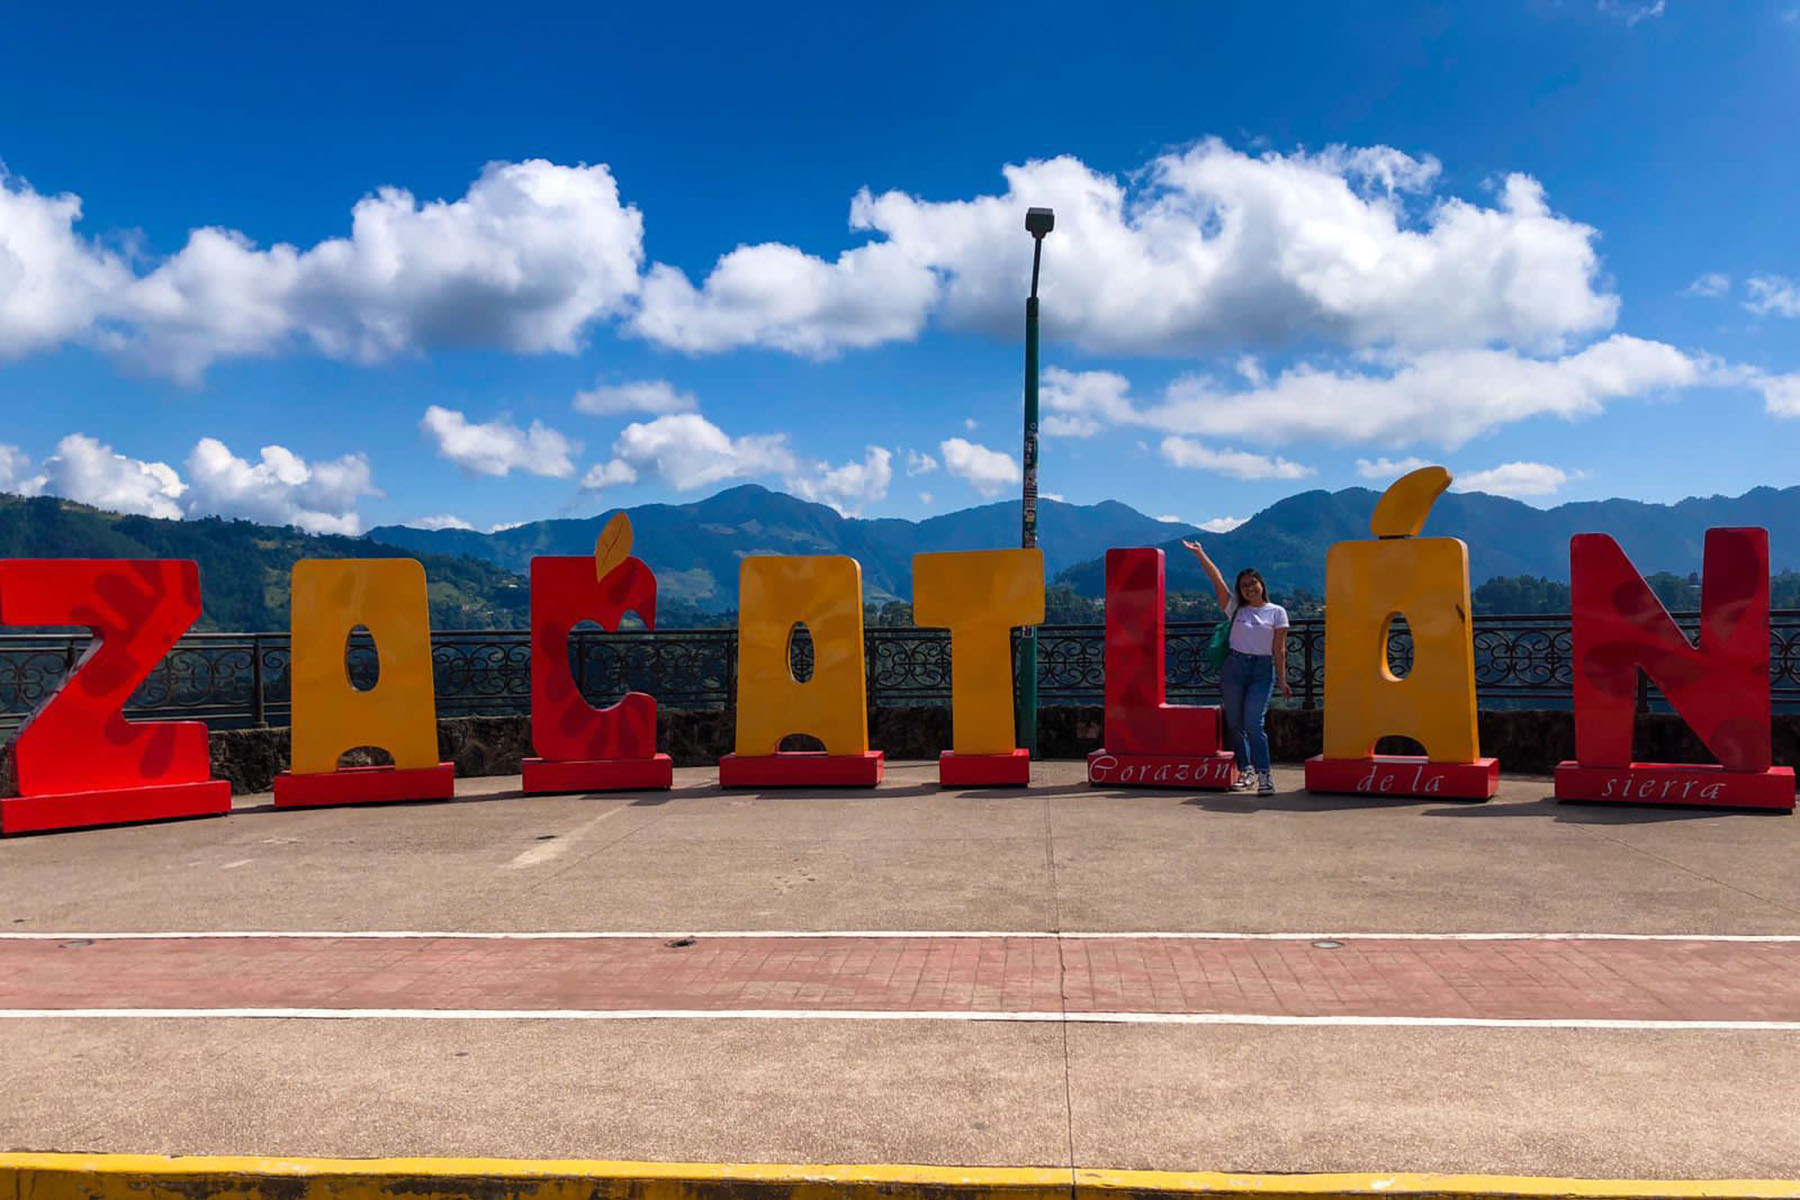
{"type": "Point", "coordinates": [1574, 812]}
{"type": "Point", "coordinates": [1240, 804]}
{"type": "Point", "coordinates": [1548, 808]}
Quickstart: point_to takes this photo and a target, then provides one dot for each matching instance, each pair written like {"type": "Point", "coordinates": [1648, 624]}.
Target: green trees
{"type": "Point", "coordinates": [244, 566]}
{"type": "Point", "coordinates": [244, 571]}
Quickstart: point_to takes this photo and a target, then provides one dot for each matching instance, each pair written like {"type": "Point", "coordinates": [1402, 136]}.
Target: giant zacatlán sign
{"type": "Point", "coordinates": [79, 762]}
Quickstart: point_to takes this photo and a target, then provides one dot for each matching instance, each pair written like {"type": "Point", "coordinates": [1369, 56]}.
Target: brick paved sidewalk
{"type": "Point", "coordinates": [1529, 979]}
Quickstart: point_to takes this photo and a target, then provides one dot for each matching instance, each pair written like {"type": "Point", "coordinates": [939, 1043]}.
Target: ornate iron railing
{"type": "Point", "coordinates": [232, 679]}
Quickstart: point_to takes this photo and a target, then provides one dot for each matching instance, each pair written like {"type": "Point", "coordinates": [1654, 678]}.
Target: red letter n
{"type": "Point", "coordinates": [1720, 687]}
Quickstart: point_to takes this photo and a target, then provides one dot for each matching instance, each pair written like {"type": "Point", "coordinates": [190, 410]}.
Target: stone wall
{"type": "Point", "coordinates": [1526, 743]}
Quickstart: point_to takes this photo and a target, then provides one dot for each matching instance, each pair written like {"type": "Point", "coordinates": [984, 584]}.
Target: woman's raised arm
{"type": "Point", "coordinates": [1222, 592]}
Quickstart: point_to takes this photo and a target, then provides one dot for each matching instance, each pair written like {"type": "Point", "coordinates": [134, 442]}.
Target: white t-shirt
{"type": "Point", "coordinates": [1253, 629]}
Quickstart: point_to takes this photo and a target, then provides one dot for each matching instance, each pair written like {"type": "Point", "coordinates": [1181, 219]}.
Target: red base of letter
{"type": "Point", "coordinates": [1206, 772]}
{"type": "Point", "coordinates": [115, 806]}
{"type": "Point", "coordinates": [1403, 775]}
{"type": "Point", "coordinates": [985, 770]}
{"type": "Point", "coordinates": [655, 773]}
{"type": "Point", "coordinates": [801, 769]}
{"type": "Point", "coordinates": [1677, 783]}
{"type": "Point", "coordinates": [365, 785]}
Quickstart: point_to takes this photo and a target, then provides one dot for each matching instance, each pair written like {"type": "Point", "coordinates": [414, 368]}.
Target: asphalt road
{"type": "Point", "coordinates": [1570, 1101]}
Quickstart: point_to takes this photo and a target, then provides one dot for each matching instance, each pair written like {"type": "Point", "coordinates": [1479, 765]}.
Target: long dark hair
{"type": "Point", "coordinates": [1237, 588]}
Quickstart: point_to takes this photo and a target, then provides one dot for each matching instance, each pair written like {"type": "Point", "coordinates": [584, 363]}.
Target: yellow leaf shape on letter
{"type": "Point", "coordinates": [613, 546]}
{"type": "Point", "coordinates": [1402, 509]}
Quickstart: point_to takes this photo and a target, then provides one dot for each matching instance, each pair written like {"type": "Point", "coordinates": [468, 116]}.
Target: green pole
{"type": "Point", "coordinates": [1028, 681]}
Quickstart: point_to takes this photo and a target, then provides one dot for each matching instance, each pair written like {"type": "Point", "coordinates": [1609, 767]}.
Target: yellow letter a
{"type": "Point", "coordinates": [1367, 585]}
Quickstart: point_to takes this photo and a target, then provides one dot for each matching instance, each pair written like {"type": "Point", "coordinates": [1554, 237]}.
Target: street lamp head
{"type": "Point", "coordinates": [1039, 221]}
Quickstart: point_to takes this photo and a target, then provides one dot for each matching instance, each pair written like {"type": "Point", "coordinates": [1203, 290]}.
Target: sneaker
{"type": "Point", "coordinates": [1264, 785]}
{"type": "Point", "coordinates": [1244, 782]}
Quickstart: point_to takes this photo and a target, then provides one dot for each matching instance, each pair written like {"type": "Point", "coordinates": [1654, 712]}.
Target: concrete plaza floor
{"type": "Point", "coordinates": [1564, 1100]}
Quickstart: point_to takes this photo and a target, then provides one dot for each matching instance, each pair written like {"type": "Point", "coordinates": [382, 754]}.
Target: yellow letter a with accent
{"type": "Point", "coordinates": [331, 598]}
{"type": "Point", "coordinates": [979, 596]}
{"type": "Point", "coordinates": [1368, 585]}
{"type": "Point", "coordinates": [776, 594]}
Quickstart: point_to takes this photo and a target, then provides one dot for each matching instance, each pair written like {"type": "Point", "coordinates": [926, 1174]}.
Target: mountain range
{"type": "Point", "coordinates": [1288, 540]}
{"type": "Point", "coordinates": [695, 548]}
{"type": "Point", "coordinates": [476, 579]}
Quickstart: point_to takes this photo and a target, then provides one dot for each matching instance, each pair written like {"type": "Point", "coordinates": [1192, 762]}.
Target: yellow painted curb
{"type": "Point", "coordinates": [149, 1177]}
{"type": "Point", "coordinates": [1173, 1185]}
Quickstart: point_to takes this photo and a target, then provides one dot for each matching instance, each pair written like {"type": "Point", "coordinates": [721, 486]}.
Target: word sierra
{"type": "Point", "coordinates": [78, 762]}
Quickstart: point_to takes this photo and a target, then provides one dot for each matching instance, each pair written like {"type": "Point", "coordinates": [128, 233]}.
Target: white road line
{"type": "Point", "coordinates": [553, 848]}
{"type": "Point", "coordinates": [778, 1014]}
{"type": "Point", "coordinates": [597, 935]}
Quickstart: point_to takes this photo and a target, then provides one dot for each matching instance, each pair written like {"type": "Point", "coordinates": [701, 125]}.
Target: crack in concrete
{"type": "Point", "coordinates": [1694, 871]}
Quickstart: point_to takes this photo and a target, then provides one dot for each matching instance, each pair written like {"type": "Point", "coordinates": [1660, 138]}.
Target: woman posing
{"type": "Point", "coordinates": [1256, 665]}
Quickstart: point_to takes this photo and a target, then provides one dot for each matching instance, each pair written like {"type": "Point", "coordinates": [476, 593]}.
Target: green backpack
{"type": "Point", "coordinates": [1219, 645]}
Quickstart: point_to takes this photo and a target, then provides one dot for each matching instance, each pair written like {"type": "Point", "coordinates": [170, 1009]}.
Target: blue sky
{"type": "Point", "coordinates": [347, 268]}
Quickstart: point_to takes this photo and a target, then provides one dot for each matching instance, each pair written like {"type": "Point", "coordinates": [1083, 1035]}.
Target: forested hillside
{"type": "Point", "coordinates": [244, 567]}
{"type": "Point", "coordinates": [244, 570]}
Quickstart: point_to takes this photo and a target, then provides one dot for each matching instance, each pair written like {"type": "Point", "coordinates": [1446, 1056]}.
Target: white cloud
{"type": "Point", "coordinates": [1709, 285]}
{"type": "Point", "coordinates": [528, 258]}
{"type": "Point", "coordinates": [1388, 468]}
{"type": "Point", "coordinates": [971, 424]}
{"type": "Point", "coordinates": [653, 396]}
{"type": "Point", "coordinates": [1171, 519]}
{"type": "Point", "coordinates": [989, 472]}
{"type": "Point", "coordinates": [438, 521]}
{"type": "Point", "coordinates": [686, 451]}
{"type": "Point", "coordinates": [53, 284]}
{"type": "Point", "coordinates": [1056, 496]}
{"type": "Point", "coordinates": [924, 497]}
{"type": "Point", "coordinates": [1083, 402]}
{"type": "Point", "coordinates": [775, 295]}
{"type": "Point", "coordinates": [502, 526]}
{"type": "Point", "coordinates": [1444, 397]}
{"type": "Point", "coordinates": [614, 472]}
{"type": "Point", "coordinates": [86, 471]}
{"type": "Point", "coordinates": [281, 489]}
{"type": "Point", "coordinates": [498, 447]}
{"type": "Point", "coordinates": [1773, 295]}
{"type": "Point", "coordinates": [530, 255]}
{"type": "Point", "coordinates": [1202, 249]}
{"type": "Point", "coordinates": [15, 468]}
{"type": "Point", "coordinates": [1057, 425]}
{"type": "Point", "coordinates": [848, 488]}
{"type": "Point", "coordinates": [920, 464]}
{"type": "Point", "coordinates": [1239, 464]}
{"type": "Point", "coordinates": [1515, 479]}
{"type": "Point", "coordinates": [1780, 393]}
{"type": "Point", "coordinates": [1631, 11]}
{"type": "Point", "coordinates": [1222, 524]}
{"type": "Point", "coordinates": [1395, 398]}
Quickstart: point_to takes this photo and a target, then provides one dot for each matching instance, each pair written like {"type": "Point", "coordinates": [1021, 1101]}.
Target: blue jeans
{"type": "Point", "coordinates": [1247, 681]}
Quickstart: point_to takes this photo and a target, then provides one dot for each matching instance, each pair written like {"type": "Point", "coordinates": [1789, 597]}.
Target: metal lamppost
{"type": "Point", "coordinates": [1038, 222]}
